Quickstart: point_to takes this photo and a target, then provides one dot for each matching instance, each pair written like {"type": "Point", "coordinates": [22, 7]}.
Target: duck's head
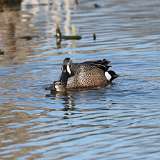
{"type": "Point", "coordinates": [67, 66]}
{"type": "Point", "coordinates": [59, 86]}
{"type": "Point", "coordinates": [66, 71]}
{"type": "Point", "coordinates": [111, 75]}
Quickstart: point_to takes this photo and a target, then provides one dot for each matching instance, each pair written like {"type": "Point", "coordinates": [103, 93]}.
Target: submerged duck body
{"type": "Point", "coordinates": [88, 74]}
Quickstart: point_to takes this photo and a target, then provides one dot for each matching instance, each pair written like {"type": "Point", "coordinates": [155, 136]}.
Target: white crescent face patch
{"type": "Point", "coordinates": [108, 76]}
{"type": "Point", "coordinates": [68, 69]}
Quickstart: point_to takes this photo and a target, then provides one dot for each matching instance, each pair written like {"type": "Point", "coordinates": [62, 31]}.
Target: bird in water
{"type": "Point", "coordinates": [88, 74]}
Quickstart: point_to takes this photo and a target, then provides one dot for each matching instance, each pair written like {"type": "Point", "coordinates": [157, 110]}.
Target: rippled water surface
{"type": "Point", "coordinates": [121, 121]}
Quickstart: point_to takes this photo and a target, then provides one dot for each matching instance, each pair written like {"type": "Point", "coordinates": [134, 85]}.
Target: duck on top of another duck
{"type": "Point", "coordinates": [88, 74]}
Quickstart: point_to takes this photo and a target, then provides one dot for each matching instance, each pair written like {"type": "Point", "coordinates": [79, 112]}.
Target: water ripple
{"type": "Point", "coordinates": [120, 121]}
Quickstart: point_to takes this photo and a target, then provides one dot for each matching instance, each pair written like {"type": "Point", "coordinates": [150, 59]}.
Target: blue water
{"type": "Point", "coordinates": [116, 122]}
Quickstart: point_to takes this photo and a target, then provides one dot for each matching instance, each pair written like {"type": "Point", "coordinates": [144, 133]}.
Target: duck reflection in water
{"type": "Point", "coordinates": [74, 101]}
{"type": "Point", "coordinates": [67, 100]}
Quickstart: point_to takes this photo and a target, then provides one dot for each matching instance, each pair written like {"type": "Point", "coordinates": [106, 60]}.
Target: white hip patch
{"type": "Point", "coordinates": [108, 76]}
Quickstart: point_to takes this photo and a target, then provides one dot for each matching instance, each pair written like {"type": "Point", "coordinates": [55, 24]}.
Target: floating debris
{"type": "Point", "coordinates": [59, 36]}
{"type": "Point", "coordinates": [77, 2]}
{"type": "Point", "coordinates": [97, 5]}
{"type": "Point", "coordinates": [28, 37]}
{"type": "Point", "coordinates": [10, 4]}
{"type": "Point", "coordinates": [76, 37]}
{"type": "Point", "coordinates": [1, 52]}
{"type": "Point", "coordinates": [58, 43]}
{"type": "Point", "coordinates": [58, 33]}
{"type": "Point", "coordinates": [94, 36]}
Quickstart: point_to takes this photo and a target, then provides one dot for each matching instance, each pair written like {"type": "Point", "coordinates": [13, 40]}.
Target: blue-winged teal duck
{"type": "Point", "coordinates": [88, 74]}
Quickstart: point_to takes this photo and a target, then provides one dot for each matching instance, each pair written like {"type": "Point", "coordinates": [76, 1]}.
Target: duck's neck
{"type": "Point", "coordinates": [64, 77]}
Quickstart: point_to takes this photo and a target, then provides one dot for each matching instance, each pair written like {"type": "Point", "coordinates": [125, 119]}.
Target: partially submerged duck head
{"type": "Point", "coordinates": [59, 86]}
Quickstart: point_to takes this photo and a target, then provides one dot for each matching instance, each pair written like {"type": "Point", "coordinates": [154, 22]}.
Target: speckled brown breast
{"type": "Point", "coordinates": [87, 76]}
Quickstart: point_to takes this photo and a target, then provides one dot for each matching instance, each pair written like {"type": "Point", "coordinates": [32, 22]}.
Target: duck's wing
{"type": "Point", "coordinates": [103, 61]}
{"type": "Point", "coordinates": [76, 67]}
{"type": "Point", "coordinates": [102, 64]}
